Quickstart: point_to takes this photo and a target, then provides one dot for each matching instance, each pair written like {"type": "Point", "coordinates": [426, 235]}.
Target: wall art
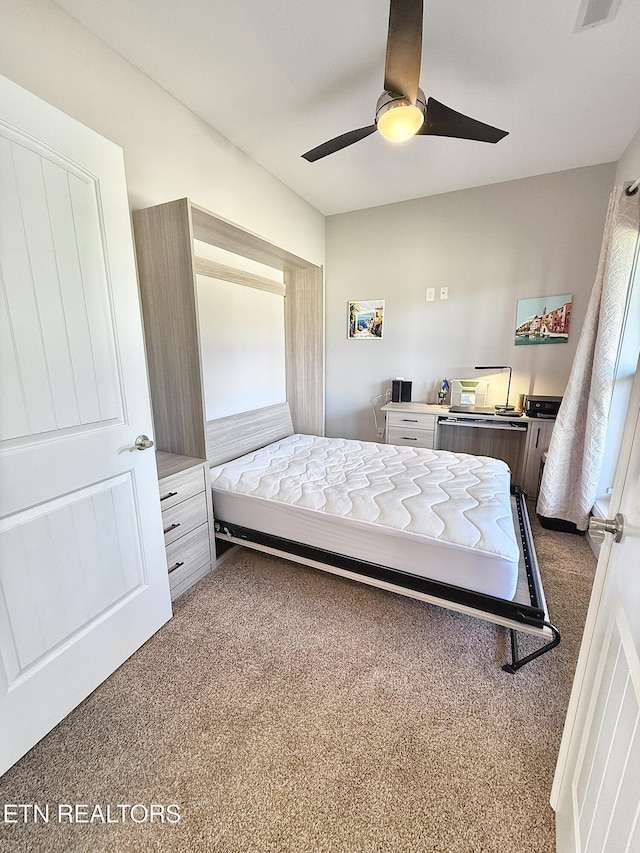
{"type": "Point", "coordinates": [543, 320]}
{"type": "Point", "coordinates": [366, 320]}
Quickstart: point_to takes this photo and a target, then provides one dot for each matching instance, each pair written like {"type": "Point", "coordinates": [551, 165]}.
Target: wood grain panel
{"type": "Point", "coordinates": [304, 349]}
{"type": "Point", "coordinates": [183, 517]}
{"type": "Point", "coordinates": [502, 444]}
{"type": "Point", "coordinates": [538, 441]}
{"type": "Point", "coordinates": [209, 496]}
{"type": "Point", "coordinates": [415, 421]}
{"type": "Point", "coordinates": [169, 464]}
{"type": "Point", "coordinates": [211, 228]}
{"type": "Point", "coordinates": [235, 435]}
{"type": "Point", "coordinates": [213, 269]}
{"type": "Point", "coordinates": [411, 437]}
{"type": "Point", "coordinates": [164, 242]}
{"type": "Point", "coordinates": [179, 487]}
{"type": "Point", "coordinates": [167, 283]}
{"type": "Point", "coordinates": [192, 551]}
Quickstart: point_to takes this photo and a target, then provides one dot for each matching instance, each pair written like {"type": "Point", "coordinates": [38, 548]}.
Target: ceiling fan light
{"type": "Point", "coordinates": [399, 122]}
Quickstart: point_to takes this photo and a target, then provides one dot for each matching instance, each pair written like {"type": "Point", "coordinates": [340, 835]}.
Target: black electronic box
{"type": "Point", "coordinates": [542, 407]}
{"type": "Point", "coordinates": [400, 391]}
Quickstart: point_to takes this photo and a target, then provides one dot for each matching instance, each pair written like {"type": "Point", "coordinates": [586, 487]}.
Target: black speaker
{"type": "Point", "coordinates": [400, 391]}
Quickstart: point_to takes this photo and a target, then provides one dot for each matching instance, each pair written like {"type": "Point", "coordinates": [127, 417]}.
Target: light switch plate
{"type": "Point", "coordinates": [444, 293]}
{"type": "Point", "coordinates": [430, 294]}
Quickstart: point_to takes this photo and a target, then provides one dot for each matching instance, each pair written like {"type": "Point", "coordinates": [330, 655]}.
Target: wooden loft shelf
{"type": "Point", "coordinates": [217, 231]}
{"type": "Point", "coordinates": [204, 266]}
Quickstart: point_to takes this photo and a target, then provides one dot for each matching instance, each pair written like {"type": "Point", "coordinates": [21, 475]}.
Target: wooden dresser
{"type": "Point", "coordinates": [411, 426]}
{"type": "Point", "coordinates": [187, 518]}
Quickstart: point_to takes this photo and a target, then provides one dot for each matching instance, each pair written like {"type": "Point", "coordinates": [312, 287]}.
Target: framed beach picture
{"type": "Point", "coordinates": [543, 320]}
{"type": "Point", "coordinates": [366, 320]}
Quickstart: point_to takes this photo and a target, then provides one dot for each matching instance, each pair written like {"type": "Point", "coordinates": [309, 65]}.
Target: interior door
{"type": "Point", "coordinates": [83, 573]}
{"type": "Point", "coordinates": [596, 790]}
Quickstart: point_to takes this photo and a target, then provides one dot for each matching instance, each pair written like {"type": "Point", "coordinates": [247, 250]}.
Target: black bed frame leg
{"type": "Point", "coordinates": [518, 662]}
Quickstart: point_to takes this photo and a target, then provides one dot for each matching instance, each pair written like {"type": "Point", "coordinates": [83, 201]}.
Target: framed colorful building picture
{"type": "Point", "coordinates": [543, 320]}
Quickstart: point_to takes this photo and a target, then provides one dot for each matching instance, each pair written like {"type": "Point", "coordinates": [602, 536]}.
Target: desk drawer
{"type": "Point", "coordinates": [408, 420]}
{"type": "Point", "coordinates": [181, 486]}
{"type": "Point", "coordinates": [183, 517]}
{"type": "Point", "coordinates": [410, 436]}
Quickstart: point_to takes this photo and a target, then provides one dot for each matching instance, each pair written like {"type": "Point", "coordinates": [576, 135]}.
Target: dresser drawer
{"type": "Point", "coordinates": [410, 436]}
{"type": "Point", "coordinates": [183, 517]}
{"type": "Point", "coordinates": [188, 553]}
{"type": "Point", "coordinates": [418, 420]}
{"type": "Point", "coordinates": [179, 487]}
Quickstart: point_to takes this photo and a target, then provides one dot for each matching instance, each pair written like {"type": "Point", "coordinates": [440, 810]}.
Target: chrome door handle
{"type": "Point", "coordinates": [143, 442]}
{"type": "Point", "coordinates": [607, 525]}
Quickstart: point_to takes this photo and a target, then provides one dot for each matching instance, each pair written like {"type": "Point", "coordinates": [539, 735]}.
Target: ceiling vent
{"type": "Point", "coordinates": [592, 13]}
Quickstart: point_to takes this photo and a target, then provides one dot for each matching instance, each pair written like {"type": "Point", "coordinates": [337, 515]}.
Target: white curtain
{"type": "Point", "coordinates": [574, 461]}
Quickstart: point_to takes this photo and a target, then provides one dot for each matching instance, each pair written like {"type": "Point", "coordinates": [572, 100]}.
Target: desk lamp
{"type": "Point", "coordinates": [506, 407]}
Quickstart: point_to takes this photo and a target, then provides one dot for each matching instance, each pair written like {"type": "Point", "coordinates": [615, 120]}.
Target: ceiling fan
{"type": "Point", "coordinates": [403, 110]}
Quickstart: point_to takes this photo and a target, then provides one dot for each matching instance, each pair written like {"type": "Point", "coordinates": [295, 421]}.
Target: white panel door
{"type": "Point", "coordinates": [83, 573]}
{"type": "Point", "coordinates": [596, 790]}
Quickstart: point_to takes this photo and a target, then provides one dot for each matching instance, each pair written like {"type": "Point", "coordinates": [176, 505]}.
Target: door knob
{"type": "Point", "coordinates": [143, 442]}
{"type": "Point", "coordinates": [614, 525]}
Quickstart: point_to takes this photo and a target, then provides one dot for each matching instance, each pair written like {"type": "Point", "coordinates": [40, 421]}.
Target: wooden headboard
{"type": "Point", "coordinates": [230, 437]}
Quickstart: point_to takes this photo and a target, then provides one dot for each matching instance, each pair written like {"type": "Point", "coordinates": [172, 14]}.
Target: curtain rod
{"type": "Point", "coordinates": [633, 188]}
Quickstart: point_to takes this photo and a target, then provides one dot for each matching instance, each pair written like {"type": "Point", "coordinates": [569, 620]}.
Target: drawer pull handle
{"type": "Point", "coordinates": [171, 527]}
{"type": "Point", "coordinates": [168, 495]}
{"type": "Point", "coordinates": [409, 420]}
{"type": "Point", "coordinates": [176, 566]}
{"type": "Point", "coordinates": [408, 438]}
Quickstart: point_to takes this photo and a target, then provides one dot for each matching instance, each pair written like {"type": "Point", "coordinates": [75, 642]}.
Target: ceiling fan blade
{"type": "Point", "coordinates": [441, 120]}
{"type": "Point", "coordinates": [338, 143]}
{"type": "Point", "coordinates": [404, 49]}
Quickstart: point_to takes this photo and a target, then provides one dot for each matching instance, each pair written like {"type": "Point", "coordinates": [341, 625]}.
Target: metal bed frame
{"type": "Point", "coordinates": [529, 618]}
{"type": "Point", "coordinates": [233, 436]}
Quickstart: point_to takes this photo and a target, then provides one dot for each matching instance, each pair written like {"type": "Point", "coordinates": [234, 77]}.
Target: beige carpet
{"type": "Point", "coordinates": [284, 709]}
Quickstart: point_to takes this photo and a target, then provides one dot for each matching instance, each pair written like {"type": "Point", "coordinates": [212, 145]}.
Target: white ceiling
{"type": "Point", "coordinates": [278, 77]}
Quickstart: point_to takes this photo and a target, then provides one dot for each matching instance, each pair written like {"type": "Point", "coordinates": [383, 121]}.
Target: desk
{"type": "Point", "coordinates": [520, 442]}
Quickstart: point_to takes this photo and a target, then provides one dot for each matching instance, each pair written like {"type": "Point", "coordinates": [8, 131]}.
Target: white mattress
{"type": "Point", "coordinates": [442, 515]}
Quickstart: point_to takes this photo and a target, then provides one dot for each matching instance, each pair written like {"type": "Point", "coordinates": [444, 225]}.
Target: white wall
{"type": "Point", "coordinates": [242, 338]}
{"type": "Point", "coordinates": [628, 168]}
{"type": "Point", "coordinates": [168, 152]}
{"type": "Point", "coordinates": [490, 246]}
{"type": "Point", "coordinates": [242, 345]}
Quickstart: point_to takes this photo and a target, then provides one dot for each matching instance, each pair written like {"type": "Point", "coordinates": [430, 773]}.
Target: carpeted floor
{"type": "Point", "coordinates": [285, 710]}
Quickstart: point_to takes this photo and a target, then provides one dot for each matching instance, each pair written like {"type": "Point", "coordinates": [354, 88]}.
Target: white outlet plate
{"type": "Point", "coordinates": [430, 294]}
{"type": "Point", "coordinates": [444, 293]}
